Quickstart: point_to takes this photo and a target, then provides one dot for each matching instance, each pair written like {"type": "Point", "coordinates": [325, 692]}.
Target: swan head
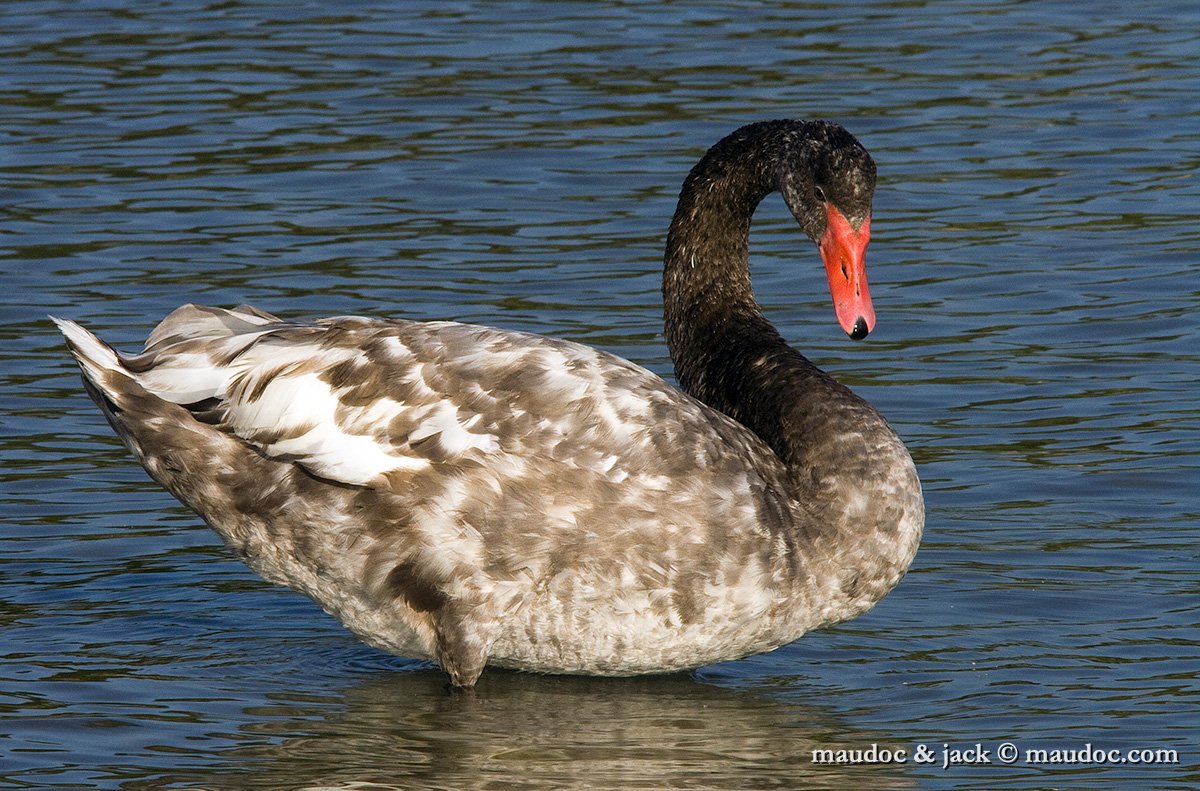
{"type": "Point", "coordinates": [827, 179]}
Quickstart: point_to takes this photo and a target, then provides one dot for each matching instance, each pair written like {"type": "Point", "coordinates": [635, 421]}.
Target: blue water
{"type": "Point", "coordinates": [1034, 267]}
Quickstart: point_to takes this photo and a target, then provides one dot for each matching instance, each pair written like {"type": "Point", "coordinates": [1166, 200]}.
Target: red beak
{"type": "Point", "coordinates": [844, 249]}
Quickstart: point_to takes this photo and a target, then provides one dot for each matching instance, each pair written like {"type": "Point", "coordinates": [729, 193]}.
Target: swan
{"type": "Point", "coordinates": [479, 496]}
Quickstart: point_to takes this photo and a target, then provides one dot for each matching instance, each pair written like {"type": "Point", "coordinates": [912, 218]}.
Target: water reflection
{"type": "Point", "coordinates": [403, 730]}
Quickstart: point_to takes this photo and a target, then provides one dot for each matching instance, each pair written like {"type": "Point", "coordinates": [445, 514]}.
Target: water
{"type": "Point", "coordinates": [1033, 266]}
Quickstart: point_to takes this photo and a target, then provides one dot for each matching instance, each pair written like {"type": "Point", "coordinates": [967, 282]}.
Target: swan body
{"type": "Point", "coordinates": [482, 496]}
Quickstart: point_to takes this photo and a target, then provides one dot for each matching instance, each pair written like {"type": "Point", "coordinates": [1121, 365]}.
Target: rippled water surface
{"type": "Point", "coordinates": [1034, 266]}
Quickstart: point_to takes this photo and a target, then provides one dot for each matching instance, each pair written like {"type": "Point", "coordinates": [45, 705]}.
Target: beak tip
{"type": "Point", "coordinates": [860, 329]}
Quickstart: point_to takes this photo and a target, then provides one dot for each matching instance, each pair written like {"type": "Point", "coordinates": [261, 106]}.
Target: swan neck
{"type": "Point", "coordinates": [725, 351]}
{"type": "Point", "coordinates": [706, 274]}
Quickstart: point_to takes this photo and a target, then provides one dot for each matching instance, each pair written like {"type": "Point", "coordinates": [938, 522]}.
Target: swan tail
{"type": "Point", "coordinates": [164, 436]}
{"type": "Point", "coordinates": [191, 459]}
{"type": "Point", "coordinates": [104, 374]}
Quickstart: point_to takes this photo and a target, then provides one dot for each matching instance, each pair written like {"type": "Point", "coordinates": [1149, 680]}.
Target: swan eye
{"type": "Point", "coordinates": [820, 193]}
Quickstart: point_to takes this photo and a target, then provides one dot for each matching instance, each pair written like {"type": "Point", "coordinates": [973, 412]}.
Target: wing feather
{"type": "Point", "coordinates": [354, 400]}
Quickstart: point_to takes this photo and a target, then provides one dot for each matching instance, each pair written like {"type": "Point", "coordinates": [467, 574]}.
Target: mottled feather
{"type": "Point", "coordinates": [474, 495]}
{"type": "Point", "coordinates": [533, 492]}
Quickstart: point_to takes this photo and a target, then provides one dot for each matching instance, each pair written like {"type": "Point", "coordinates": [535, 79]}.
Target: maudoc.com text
{"type": "Point", "coordinates": [949, 755]}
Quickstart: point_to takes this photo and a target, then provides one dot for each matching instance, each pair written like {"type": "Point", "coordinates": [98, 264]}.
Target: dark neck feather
{"type": "Point", "coordinates": [725, 351]}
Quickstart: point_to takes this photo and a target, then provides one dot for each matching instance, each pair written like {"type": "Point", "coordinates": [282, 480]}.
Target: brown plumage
{"type": "Point", "coordinates": [473, 495]}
